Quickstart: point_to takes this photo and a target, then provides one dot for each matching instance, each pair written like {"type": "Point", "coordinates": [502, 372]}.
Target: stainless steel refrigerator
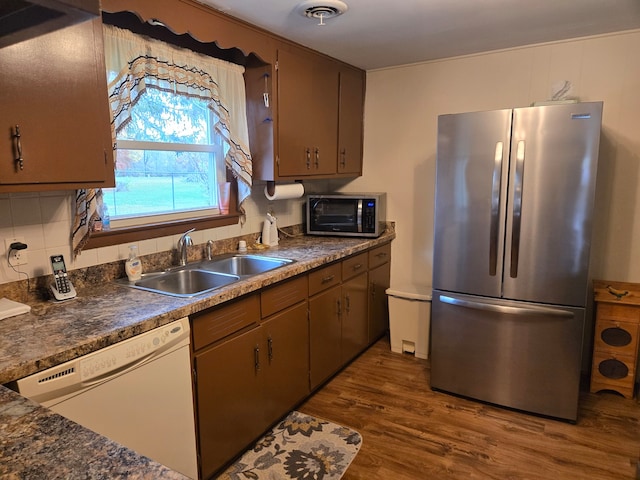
{"type": "Point", "coordinates": [515, 195]}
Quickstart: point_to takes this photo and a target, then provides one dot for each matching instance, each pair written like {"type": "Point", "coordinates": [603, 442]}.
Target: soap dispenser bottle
{"type": "Point", "coordinates": [133, 265]}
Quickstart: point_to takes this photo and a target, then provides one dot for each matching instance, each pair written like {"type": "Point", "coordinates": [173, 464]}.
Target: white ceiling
{"type": "Point", "coordinates": [375, 33]}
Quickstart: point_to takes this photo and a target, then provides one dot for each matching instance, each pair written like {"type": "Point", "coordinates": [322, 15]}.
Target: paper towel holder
{"type": "Point", "coordinates": [270, 188]}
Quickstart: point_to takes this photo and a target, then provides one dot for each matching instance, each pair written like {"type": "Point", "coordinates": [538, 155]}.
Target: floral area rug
{"type": "Point", "coordinates": [300, 447]}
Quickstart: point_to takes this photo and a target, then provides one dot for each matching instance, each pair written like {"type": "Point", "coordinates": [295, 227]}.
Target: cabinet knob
{"type": "Point", "coordinates": [317, 162]}
{"type": "Point", "coordinates": [308, 158]}
{"type": "Point", "coordinates": [19, 159]}
{"type": "Point", "coordinates": [343, 157]}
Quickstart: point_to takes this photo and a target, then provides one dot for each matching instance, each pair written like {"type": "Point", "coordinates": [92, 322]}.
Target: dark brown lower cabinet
{"type": "Point", "coordinates": [247, 382]}
{"type": "Point", "coordinates": [257, 357]}
{"type": "Point", "coordinates": [229, 390]}
{"type": "Point", "coordinates": [286, 361]}
{"type": "Point", "coordinates": [378, 304]}
{"type": "Point", "coordinates": [355, 328]}
{"type": "Point", "coordinates": [325, 333]}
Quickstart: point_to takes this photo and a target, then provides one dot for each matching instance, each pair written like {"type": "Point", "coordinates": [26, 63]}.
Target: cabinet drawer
{"type": "Point", "coordinates": [625, 313]}
{"type": "Point", "coordinates": [283, 295]}
{"type": "Point", "coordinates": [218, 322]}
{"type": "Point", "coordinates": [324, 278]}
{"type": "Point", "coordinates": [616, 337]}
{"type": "Point", "coordinates": [379, 255]}
{"type": "Point", "coordinates": [352, 266]}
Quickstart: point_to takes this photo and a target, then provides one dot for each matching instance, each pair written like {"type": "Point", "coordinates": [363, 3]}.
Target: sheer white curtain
{"type": "Point", "coordinates": [135, 63]}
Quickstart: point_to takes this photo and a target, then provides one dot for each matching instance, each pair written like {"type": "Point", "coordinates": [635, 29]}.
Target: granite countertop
{"type": "Point", "coordinates": [36, 443]}
{"type": "Point", "coordinates": [34, 439]}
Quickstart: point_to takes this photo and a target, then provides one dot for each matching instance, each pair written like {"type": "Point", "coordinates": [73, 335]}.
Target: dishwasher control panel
{"type": "Point", "coordinates": [98, 366]}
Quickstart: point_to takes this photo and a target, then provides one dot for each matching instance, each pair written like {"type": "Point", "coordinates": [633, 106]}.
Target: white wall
{"type": "Point", "coordinates": [402, 105]}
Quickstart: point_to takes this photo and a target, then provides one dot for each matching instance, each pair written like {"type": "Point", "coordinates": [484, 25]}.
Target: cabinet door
{"type": "Point", "coordinates": [228, 395]}
{"type": "Point", "coordinates": [286, 361]}
{"type": "Point", "coordinates": [324, 335]}
{"type": "Point", "coordinates": [54, 88]}
{"type": "Point", "coordinates": [378, 305]}
{"type": "Point", "coordinates": [350, 121]}
{"type": "Point", "coordinates": [355, 327]}
{"type": "Point", "coordinates": [307, 114]}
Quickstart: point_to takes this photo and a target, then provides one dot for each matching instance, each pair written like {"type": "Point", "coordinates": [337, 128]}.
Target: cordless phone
{"type": "Point", "coordinates": [61, 288]}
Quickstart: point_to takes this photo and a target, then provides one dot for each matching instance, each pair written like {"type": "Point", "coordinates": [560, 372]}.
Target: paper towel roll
{"type": "Point", "coordinates": [285, 192]}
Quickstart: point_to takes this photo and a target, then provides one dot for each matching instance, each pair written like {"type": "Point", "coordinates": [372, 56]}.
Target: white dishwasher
{"type": "Point", "coordinates": [137, 392]}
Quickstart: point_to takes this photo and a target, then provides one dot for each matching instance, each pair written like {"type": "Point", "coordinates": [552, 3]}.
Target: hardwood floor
{"type": "Point", "coordinates": [411, 432]}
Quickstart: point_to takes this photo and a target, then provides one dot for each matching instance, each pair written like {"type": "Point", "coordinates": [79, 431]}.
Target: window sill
{"type": "Point", "coordinates": [144, 232]}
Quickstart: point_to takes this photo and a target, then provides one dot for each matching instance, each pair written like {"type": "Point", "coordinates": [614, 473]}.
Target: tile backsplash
{"type": "Point", "coordinates": [43, 221]}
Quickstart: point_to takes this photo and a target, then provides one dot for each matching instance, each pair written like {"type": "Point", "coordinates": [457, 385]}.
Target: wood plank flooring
{"type": "Point", "coordinates": [411, 432]}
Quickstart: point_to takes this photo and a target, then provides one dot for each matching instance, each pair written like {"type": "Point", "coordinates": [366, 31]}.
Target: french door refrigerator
{"type": "Point", "coordinates": [515, 193]}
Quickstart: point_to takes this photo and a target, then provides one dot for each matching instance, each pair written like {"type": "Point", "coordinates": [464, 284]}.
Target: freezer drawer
{"type": "Point", "coordinates": [515, 354]}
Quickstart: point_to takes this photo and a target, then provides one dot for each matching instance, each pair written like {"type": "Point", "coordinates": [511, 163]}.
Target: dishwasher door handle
{"type": "Point", "coordinates": [507, 309]}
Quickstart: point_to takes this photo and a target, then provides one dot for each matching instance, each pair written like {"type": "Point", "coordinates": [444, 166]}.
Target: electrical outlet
{"type": "Point", "coordinates": [17, 257]}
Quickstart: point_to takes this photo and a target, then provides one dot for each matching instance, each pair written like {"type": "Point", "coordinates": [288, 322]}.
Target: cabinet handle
{"type": "Point", "coordinates": [381, 254]}
{"type": "Point", "coordinates": [328, 278]}
{"type": "Point", "coordinates": [308, 158]}
{"type": "Point", "coordinates": [317, 152]}
{"type": "Point", "coordinates": [373, 290]}
{"type": "Point", "coordinates": [357, 266]}
{"type": "Point", "coordinates": [256, 356]}
{"type": "Point", "coordinates": [348, 304]}
{"type": "Point", "coordinates": [270, 348]}
{"type": "Point", "coordinates": [343, 157]}
{"type": "Point", "coordinates": [19, 159]}
{"type": "Point", "coordinates": [339, 307]}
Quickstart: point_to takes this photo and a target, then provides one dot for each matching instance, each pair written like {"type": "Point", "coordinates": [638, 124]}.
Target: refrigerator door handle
{"type": "Point", "coordinates": [517, 209]}
{"type": "Point", "coordinates": [490, 307]}
{"type": "Point", "coordinates": [495, 209]}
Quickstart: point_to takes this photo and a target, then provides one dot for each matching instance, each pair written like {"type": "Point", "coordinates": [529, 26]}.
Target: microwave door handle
{"type": "Point", "coordinates": [359, 220]}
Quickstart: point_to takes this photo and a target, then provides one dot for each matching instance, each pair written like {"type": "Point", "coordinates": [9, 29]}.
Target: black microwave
{"type": "Point", "coordinates": [346, 214]}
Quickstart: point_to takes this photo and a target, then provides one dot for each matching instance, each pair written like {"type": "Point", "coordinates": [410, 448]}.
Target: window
{"type": "Point", "coordinates": [180, 124]}
{"type": "Point", "coordinates": [169, 161]}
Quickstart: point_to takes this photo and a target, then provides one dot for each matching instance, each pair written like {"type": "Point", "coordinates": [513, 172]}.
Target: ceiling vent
{"type": "Point", "coordinates": [322, 9]}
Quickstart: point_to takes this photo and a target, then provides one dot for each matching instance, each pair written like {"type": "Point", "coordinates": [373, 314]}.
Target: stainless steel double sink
{"type": "Point", "coordinates": [207, 275]}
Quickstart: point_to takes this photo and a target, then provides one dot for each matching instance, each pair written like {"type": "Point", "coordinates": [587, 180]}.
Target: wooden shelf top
{"type": "Point", "coordinates": [616, 292]}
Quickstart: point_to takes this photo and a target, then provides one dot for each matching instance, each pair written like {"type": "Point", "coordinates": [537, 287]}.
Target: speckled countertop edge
{"type": "Point", "coordinates": [101, 315]}
{"type": "Point", "coordinates": [35, 443]}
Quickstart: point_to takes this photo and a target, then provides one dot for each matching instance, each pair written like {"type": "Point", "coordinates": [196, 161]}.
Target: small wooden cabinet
{"type": "Point", "coordinates": [615, 350]}
{"type": "Point", "coordinates": [54, 128]}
